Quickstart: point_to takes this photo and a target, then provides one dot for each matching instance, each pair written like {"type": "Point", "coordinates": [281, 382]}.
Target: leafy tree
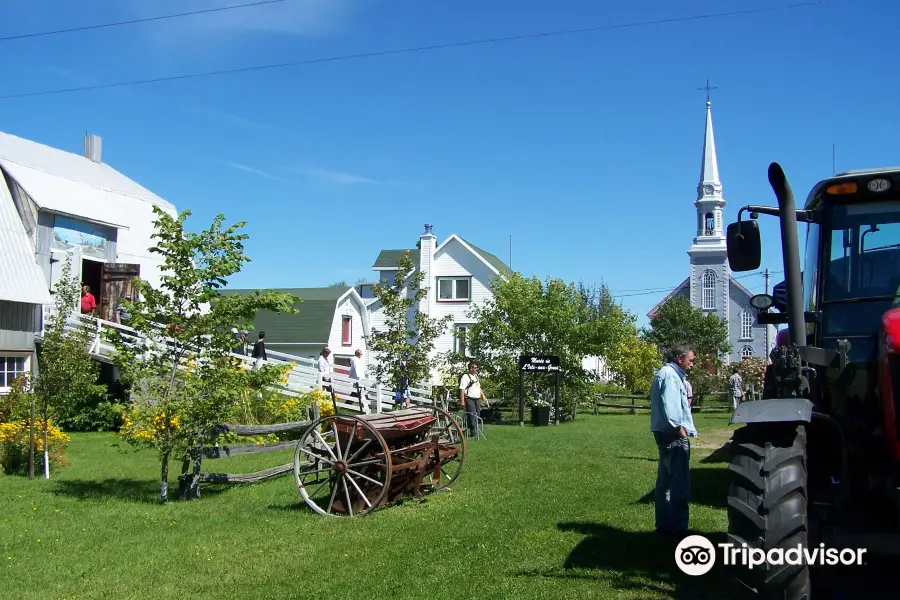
{"type": "Point", "coordinates": [530, 316]}
{"type": "Point", "coordinates": [183, 377]}
{"type": "Point", "coordinates": [407, 331]}
{"type": "Point", "coordinates": [679, 321]}
{"type": "Point", "coordinates": [68, 378]}
{"type": "Point", "coordinates": [636, 361]}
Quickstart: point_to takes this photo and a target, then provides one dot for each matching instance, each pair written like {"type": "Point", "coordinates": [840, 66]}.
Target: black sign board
{"type": "Point", "coordinates": [538, 364]}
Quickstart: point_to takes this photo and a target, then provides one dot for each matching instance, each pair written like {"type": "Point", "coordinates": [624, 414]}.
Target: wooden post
{"type": "Point", "coordinates": [556, 400]}
{"type": "Point", "coordinates": [521, 399]}
{"type": "Point", "coordinates": [378, 406]}
{"type": "Point", "coordinates": [31, 445]}
{"type": "Point", "coordinates": [632, 406]}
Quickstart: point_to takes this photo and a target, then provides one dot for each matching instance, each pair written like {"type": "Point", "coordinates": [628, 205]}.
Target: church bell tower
{"type": "Point", "coordinates": [710, 274]}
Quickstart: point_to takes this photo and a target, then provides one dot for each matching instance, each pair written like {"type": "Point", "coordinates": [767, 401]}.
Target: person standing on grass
{"type": "Point", "coordinates": [735, 386]}
{"type": "Point", "coordinates": [470, 395]}
{"type": "Point", "coordinates": [672, 425]}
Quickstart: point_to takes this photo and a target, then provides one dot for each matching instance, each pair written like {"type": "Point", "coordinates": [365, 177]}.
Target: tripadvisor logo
{"type": "Point", "coordinates": [696, 555]}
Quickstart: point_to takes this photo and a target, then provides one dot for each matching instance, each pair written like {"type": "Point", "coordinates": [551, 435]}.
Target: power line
{"type": "Point", "coordinates": [135, 21]}
{"type": "Point", "coordinates": [416, 49]}
{"type": "Point", "coordinates": [648, 291]}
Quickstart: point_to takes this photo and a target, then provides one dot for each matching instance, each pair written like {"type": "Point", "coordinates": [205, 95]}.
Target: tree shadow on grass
{"type": "Point", "coordinates": [639, 560]}
{"type": "Point", "coordinates": [124, 490]}
{"type": "Point", "coordinates": [709, 487]}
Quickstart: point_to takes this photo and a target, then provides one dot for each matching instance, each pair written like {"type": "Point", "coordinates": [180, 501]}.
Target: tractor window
{"type": "Point", "coordinates": [864, 253]}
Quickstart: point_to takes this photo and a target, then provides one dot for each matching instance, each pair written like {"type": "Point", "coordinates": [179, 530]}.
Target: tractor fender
{"type": "Point", "coordinates": [774, 410]}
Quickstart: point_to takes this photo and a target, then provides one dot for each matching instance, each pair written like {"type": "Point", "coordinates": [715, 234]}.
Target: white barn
{"type": "Point", "coordinates": [57, 206]}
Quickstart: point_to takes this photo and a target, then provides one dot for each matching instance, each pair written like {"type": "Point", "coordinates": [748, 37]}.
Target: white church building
{"type": "Point", "coordinates": [710, 285]}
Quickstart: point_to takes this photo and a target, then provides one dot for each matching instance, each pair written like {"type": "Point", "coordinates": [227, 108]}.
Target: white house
{"type": "Point", "coordinates": [58, 206]}
{"type": "Point", "coordinates": [457, 275]}
{"type": "Point", "coordinates": [333, 317]}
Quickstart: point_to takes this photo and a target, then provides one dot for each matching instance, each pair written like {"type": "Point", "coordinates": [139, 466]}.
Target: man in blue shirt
{"type": "Point", "coordinates": [672, 425]}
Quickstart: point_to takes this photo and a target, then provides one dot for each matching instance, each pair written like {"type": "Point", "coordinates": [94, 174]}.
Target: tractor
{"type": "Point", "coordinates": [816, 461]}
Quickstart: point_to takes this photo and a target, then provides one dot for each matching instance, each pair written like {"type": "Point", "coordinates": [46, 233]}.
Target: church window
{"type": "Point", "coordinates": [710, 224]}
{"type": "Point", "coordinates": [746, 352]}
{"type": "Point", "coordinates": [709, 289]}
{"type": "Point", "coordinates": [746, 325]}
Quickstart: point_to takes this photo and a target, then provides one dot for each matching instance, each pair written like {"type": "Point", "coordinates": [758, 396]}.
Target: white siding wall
{"type": "Point", "coordinates": [455, 260]}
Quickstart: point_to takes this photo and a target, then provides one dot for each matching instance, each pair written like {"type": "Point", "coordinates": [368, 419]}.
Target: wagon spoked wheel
{"type": "Point", "coordinates": [346, 473]}
{"type": "Point", "coordinates": [449, 433]}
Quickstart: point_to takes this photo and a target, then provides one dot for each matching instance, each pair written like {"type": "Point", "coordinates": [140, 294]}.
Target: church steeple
{"type": "Point", "coordinates": [709, 203]}
{"type": "Point", "coordinates": [709, 167]}
{"type": "Point", "coordinates": [710, 274]}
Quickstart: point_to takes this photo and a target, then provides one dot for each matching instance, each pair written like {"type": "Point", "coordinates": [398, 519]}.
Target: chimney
{"type": "Point", "coordinates": [92, 146]}
{"type": "Point", "coordinates": [426, 259]}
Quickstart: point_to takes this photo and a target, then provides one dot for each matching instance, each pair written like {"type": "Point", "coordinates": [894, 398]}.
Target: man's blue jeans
{"type": "Point", "coordinates": [673, 482]}
{"type": "Point", "coordinates": [472, 412]}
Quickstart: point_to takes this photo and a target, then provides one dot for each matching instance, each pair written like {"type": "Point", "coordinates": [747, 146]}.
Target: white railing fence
{"type": "Point", "coordinates": [364, 396]}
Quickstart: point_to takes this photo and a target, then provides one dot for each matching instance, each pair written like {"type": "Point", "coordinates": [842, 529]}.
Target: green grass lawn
{"type": "Point", "coordinates": [557, 512]}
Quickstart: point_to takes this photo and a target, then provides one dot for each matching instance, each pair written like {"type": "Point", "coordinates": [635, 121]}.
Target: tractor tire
{"type": "Point", "coordinates": [767, 505]}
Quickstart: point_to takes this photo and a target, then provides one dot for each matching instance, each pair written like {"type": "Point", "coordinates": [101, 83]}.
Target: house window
{"type": "Point", "coordinates": [10, 368]}
{"type": "Point", "coordinates": [746, 352]}
{"type": "Point", "coordinates": [746, 325]}
{"type": "Point", "coordinates": [454, 288]}
{"type": "Point", "coordinates": [347, 330]}
{"type": "Point", "coordinates": [459, 340]}
{"type": "Point", "coordinates": [709, 289]}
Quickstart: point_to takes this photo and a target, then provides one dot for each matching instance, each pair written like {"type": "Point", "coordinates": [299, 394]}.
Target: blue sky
{"type": "Point", "coordinates": [585, 148]}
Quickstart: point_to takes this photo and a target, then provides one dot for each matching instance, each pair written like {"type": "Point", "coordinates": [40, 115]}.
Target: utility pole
{"type": "Point", "coordinates": [768, 327]}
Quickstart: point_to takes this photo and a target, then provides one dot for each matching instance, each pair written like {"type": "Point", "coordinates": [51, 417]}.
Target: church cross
{"type": "Point", "coordinates": [707, 88]}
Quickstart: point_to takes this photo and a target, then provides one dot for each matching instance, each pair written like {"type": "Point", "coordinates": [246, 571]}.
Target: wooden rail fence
{"type": "Point", "coordinates": [191, 478]}
{"type": "Point", "coordinates": [633, 406]}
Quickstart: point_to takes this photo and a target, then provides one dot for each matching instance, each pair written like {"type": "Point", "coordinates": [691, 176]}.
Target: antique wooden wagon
{"type": "Point", "coordinates": [349, 465]}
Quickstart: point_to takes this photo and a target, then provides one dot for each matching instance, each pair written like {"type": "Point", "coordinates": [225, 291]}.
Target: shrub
{"type": "Point", "coordinates": [14, 441]}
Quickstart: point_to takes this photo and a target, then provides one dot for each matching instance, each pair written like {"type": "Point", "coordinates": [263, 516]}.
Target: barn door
{"type": "Point", "coordinates": [118, 282]}
{"type": "Point", "coordinates": [58, 259]}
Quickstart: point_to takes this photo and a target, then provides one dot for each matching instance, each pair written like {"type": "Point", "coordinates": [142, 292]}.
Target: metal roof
{"type": "Point", "coordinates": [21, 279]}
{"type": "Point", "coordinates": [68, 183]}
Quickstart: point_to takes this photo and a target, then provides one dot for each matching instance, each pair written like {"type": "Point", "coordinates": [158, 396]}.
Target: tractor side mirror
{"type": "Point", "coordinates": [744, 246]}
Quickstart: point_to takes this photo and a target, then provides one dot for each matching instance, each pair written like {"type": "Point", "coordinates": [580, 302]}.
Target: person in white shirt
{"type": "Point", "coordinates": [470, 396]}
{"type": "Point", "coordinates": [356, 366]}
{"type": "Point", "coordinates": [325, 367]}
{"type": "Point", "coordinates": [356, 372]}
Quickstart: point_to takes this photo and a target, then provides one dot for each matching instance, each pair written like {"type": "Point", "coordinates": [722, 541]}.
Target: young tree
{"type": "Point", "coordinates": [407, 331]}
{"type": "Point", "coordinates": [184, 380]}
{"type": "Point", "coordinates": [67, 375]}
